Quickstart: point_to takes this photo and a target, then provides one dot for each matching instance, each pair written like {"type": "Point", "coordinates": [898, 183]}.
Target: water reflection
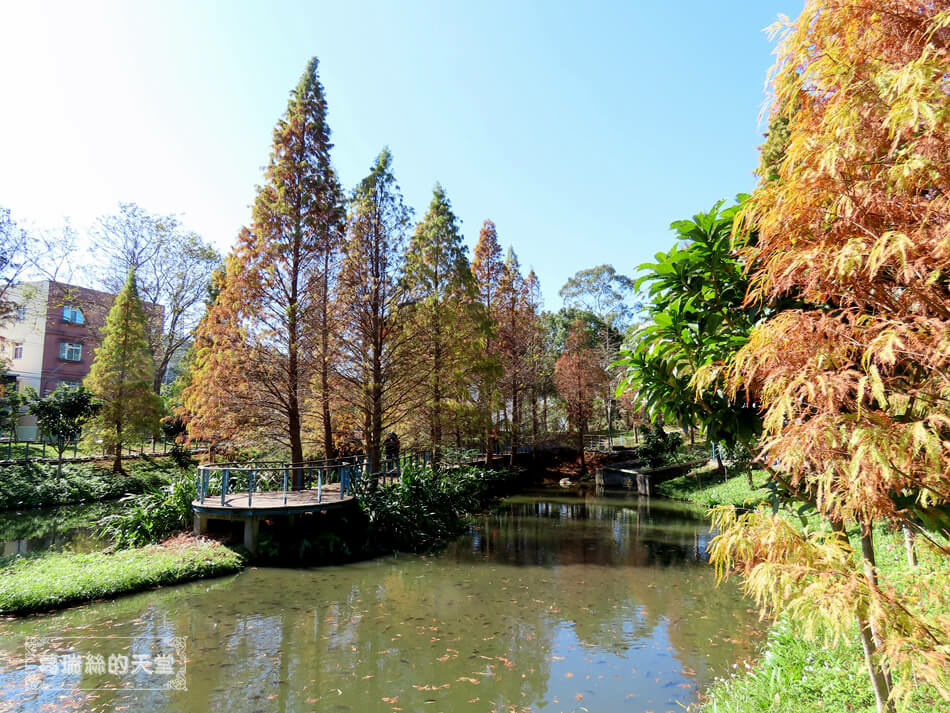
{"type": "Point", "coordinates": [42, 530]}
{"type": "Point", "coordinates": [551, 604]}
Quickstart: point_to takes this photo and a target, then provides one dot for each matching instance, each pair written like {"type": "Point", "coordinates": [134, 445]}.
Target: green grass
{"type": "Point", "coordinates": [798, 675]}
{"type": "Point", "coordinates": [53, 581]}
{"type": "Point", "coordinates": [706, 488]}
{"type": "Point", "coordinates": [33, 485]}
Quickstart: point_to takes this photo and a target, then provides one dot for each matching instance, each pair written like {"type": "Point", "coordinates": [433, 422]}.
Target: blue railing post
{"type": "Point", "coordinates": [320, 486]}
{"type": "Point", "coordinates": [251, 479]}
{"type": "Point", "coordinates": [285, 486]}
{"type": "Point", "coordinates": [224, 485]}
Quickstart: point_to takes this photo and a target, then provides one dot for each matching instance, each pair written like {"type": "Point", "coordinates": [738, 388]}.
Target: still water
{"type": "Point", "coordinates": [51, 529]}
{"type": "Point", "coordinates": [553, 603]}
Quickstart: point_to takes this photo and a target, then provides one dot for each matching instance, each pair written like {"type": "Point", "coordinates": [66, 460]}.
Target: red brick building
{"type": "Point", "coordinates": [53, 339]}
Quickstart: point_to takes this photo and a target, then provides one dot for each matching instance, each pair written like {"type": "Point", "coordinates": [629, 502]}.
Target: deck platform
{"type": "Point", "coordinates": [264, 505]}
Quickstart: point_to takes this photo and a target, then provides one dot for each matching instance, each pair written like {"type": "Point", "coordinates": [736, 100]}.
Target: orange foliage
{"type": "Point", "coordinates": [855, 388]}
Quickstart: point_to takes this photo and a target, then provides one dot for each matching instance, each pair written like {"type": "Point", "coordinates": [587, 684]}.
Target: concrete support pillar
{"type": "Point", "coordinates": [201, 523]}
{"type": "Point", "coordinates": [251, 526]}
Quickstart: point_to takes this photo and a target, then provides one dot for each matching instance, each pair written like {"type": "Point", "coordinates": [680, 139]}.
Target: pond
{"type": "Point", "coordinates": [48, 529]}
{"type": "Point", "coordinates": [553, 603]}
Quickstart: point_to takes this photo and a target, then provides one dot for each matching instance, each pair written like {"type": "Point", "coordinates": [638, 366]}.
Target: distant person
{"type": "Point", "coordinates": [391, 446]}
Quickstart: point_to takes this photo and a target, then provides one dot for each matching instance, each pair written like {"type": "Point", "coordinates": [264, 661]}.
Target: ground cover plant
{"type": "Point", "coordinates": [706, 488]}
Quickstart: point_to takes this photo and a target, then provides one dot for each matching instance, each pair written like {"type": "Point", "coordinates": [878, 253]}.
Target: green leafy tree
{"type": "Point", "coordinates": [172, 267]}
{"type": "Point", "coordinates": [10, 402]}
{"type": "Point", "coordinates": [122, 376]}
{"type": "Point", "coordinates": [698, 319]}
{"type": "Point", "coordinates": [61, 416]}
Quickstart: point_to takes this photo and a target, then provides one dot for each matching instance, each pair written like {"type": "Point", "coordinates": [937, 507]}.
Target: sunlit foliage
{"type": "Point", "coordinates": [854, 389]}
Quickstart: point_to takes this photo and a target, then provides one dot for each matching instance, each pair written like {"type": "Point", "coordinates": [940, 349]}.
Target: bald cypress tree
{"type": "Point", "coordinates": [266, 346]}
{"type": "Point", "coordinates": [121, 377]}
{"type": "Point", "coordinates": [487, 268]}
{"type": "Point", "coordinates": [445, 315]}
{"type": "Point", "coordinates": [375, 370]}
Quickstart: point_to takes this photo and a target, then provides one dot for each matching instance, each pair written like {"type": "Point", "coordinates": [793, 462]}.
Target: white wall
{"type": "Point", "coordinates": [31, 333]}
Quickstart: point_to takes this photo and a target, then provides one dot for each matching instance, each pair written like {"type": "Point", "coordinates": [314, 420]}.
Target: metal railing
{"type": "Point", "coordinates": [45, 450]}
{"type": "Point", "coordinates": [606, 443]}
{"type": "Point", "coordinates": [254, 478]}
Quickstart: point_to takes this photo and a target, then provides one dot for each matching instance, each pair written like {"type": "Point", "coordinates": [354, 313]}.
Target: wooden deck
{"type": "Point", "coordinates": [263, 505]}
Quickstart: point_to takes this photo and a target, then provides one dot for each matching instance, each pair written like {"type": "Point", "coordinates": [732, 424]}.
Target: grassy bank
{"type": "Point", "coordinates": [798, 675]}
{"type": "Point", "coordinates": [795, 674]}
{"type": "Point", "coordinates": [706, 488]}
{"type": "Point", "coordinates": [33, 485]}
{"type": "Point", "coordinates": [57, 580]}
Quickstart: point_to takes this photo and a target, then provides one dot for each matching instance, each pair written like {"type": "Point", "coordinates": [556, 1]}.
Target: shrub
{"type": "Point", "coordinates": [181, 456]}
{"type": "Point", "coordinates": [153, 516]}
{"type": "Point", "coordinates": [659, 448]}
{"type": "Point", "coordinates": [425, 506]}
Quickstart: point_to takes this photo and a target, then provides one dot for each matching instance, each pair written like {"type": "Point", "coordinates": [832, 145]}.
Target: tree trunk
{"type": "Point", "coordinates": [515, 419]}
{"type": "Point", "coordinates": [871, 639]}
{"type": "Point", "coordinates": [909, 538]}
{"type": "Point", "coordinates": [117, 463]}
{"type": "Point", "coordinates": [534, 422]}
{"type": "Point", "coordinates": [329, 447]}
{"type": "Point", "coordinates": [376, 420]}
{"type": "Point", "coordinates": [879, 679]}
{"type": "Point", "coordinates": [580, 445]}
{"type": "Point", "coordinates": [436, 426]}
{"type": "Point", "coordinates": [296, 445]}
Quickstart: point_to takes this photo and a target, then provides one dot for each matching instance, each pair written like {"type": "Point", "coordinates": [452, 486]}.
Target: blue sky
{"type": "Point", "coordinates": [582, 129]}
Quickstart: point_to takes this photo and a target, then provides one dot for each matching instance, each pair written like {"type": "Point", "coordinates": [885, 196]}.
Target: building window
{"type": "Point", "coordinates": [73, 315]}
{"type": "Point", "coordinates": [74, 385]}
{"type": "Point", "coordinates": [20, 313]}
{"type": "Point", "coordinates": [70, 351]}
{"type": "Point", "coordinates": [18, 350]}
